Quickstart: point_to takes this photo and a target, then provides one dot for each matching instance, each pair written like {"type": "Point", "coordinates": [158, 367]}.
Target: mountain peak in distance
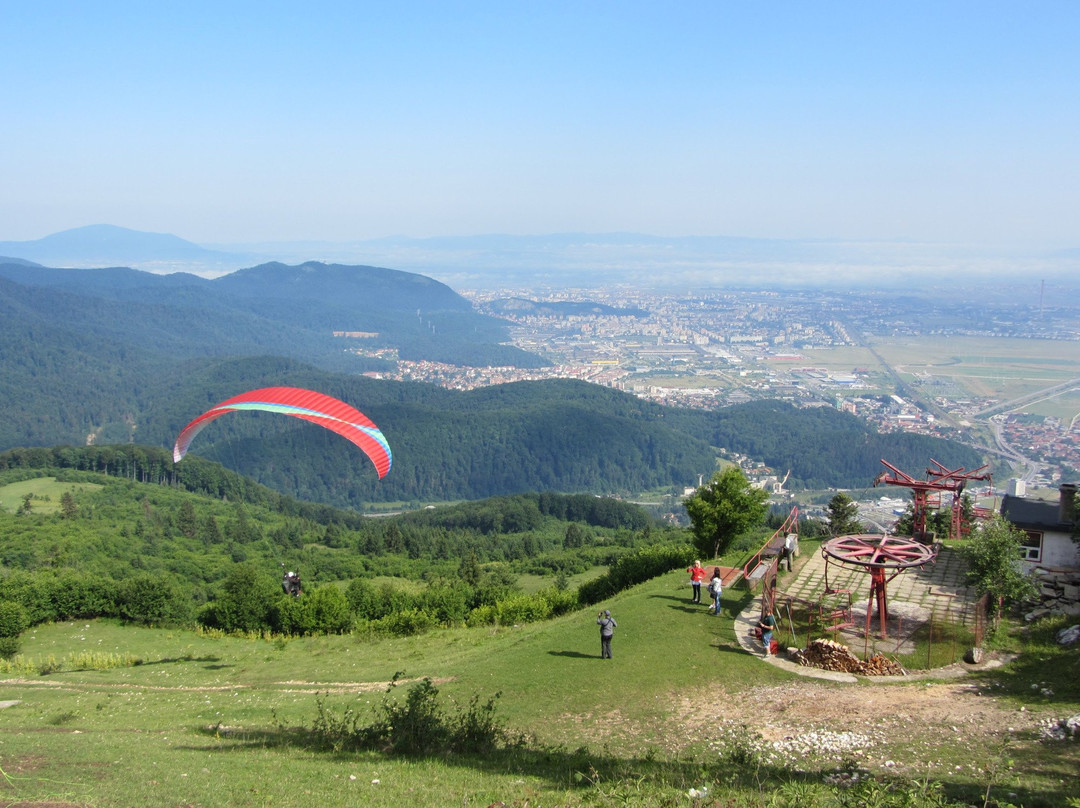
{"type": "Point", "coordinates": [106, 245]}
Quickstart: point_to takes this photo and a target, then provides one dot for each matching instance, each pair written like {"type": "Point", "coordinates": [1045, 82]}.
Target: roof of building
{"type": "Point", "coordinates": [1034, 513]}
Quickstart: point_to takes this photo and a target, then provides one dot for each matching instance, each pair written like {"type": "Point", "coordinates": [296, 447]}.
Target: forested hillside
{"type": "Point", "coordinates": [119, 531]}
{"type": "Point", "coordinates": [83, 350]}
{"type": "Point", "coordinates": [826, 448]}
{"type": "Point", "coordinates": [116, 356]}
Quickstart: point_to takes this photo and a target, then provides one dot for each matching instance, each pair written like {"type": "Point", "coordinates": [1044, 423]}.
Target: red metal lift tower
{"type": "Point", "coordinates": [928, 492]}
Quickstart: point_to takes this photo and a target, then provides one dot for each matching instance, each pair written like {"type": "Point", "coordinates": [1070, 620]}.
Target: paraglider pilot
{"type": "Point", "coordinates": [291, 584]}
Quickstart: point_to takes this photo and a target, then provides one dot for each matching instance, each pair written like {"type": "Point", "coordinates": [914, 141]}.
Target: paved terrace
{"type": "Point", "coordinates": [933, 586]}
{"type": "Point", "coordinates": [938, 589]}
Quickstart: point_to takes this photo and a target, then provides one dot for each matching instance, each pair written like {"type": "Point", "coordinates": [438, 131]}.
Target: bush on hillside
{"type": "Point", "coordinates": [14, 620]}
{"type": "Point", "coordinates": [245, 603]}
{"type": "Point", "coordinates": [325, 610]}
{"type": "Point", "coordinates": [448, 601]}
{"type": "Point", "coordinates": [419, 725]}
{"type": "Point", "coordinates": [67, 594]}
{"type": "Point", "coordinates": [153, 599]}
{"type": "Point", "coordinates": [636, 568]}
{"type": "Point", "coordinates": [34, 592]}
{"type": "Point", "coordinates": [80, 595]}
{"type": "Point", "coordinates": [401, 624]}
{"type": "Point", "coordinates": [329, 610]}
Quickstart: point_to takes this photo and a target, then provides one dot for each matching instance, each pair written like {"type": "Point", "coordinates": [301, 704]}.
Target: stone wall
{"type": "Point", "coordinates": [1058, 592]}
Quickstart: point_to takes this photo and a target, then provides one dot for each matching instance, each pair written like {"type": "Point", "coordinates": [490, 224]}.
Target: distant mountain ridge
{"type": "Point", "coordinates": [293, 311]}
{"type": "Point", "coordinates": [566, 259]}
{"type": "Point", "coordinates": [106, 245]}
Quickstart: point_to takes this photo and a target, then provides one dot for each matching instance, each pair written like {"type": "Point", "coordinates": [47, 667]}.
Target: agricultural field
{"type": "Point", "coordinates": [981, 367]}
{"type": "Point", "coordinates": [102, 714]}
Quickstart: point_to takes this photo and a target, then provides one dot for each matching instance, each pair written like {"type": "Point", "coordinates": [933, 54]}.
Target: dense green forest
{"type": "Point", "coordinates": [826, 448]}
{"type": "Point", "coordinates": [131, 509]}
{"type": "Point", "coordinates": [83, 348]}
{"type": "Point", "coordinates": [557, 435]}
{"type": "Point", "coordinates": [125, 535]}
{"type": "Point", "coordinates": [554, 435]}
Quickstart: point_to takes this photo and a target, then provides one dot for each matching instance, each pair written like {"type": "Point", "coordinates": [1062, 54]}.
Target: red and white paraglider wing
{"type": "Point", "coordinates": [318, 408]}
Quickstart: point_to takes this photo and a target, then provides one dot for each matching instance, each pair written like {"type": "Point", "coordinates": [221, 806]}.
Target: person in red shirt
{"type": "Point", "coordinates": [697, 575]}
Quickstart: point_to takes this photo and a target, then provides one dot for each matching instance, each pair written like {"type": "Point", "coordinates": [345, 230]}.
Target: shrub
{"type": "Point", "coordinates": [288, 616]}
{"type": "Point", "coordinates": [33, 592]}
{"type": "Point", "coordinates": [517, 609]}
{"type": "Point", "coordinates": [994, 557]}
{"type": "Point", "coordinates": [560, 600]}
{"type": "Point", "coordinates": [152, 599]}
{"type": "Point", "coordinates": [328, 611]}
{"type": "Point", "coordinates": [448, 602]}
{"type": "Point", "coordinates": [9, 647]}
{"type": "Point", "coordinates": [81, 595]}
{"type": "Point", "coordinates": [245, 602]}
{"type": "Point", "coordinates": [404, 623]}
{"type": "Point", "coordinates": [522, 609]}
{"type": "Point", "coordinates": [634, 569]}
{"type": "Point", "coordinates": [416, 726]}
{"type": "Point", "coordinates": [14, 619]}
{"type": "Point", "coordinates": [362, 598]}
{"type": "Point", "coordinates": [482, 616]}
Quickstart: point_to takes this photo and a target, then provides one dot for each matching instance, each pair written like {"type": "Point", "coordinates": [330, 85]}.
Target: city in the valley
{"type": "Point", "coordinates": [1001, 373]}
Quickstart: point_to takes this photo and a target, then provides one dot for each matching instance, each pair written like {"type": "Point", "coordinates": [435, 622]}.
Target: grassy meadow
{"type": "Point", "coordinates": [45, 493]}
{"type": "Point", "coordinates": [211, 720]}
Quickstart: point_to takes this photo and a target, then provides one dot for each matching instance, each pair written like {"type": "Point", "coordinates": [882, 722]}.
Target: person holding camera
{"type": "Point", "coordinates": [607, 630]}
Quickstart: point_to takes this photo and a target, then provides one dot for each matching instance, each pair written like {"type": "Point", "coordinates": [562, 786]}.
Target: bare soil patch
{"type": "Point", "coordinates": [892, 724]}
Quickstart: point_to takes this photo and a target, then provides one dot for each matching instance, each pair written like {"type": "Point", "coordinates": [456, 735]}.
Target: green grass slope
{"type": "Point", "coordinates": [216, 721]}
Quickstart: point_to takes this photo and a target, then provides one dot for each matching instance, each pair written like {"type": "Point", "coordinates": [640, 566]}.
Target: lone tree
{"type": "Point", "coordinates": [724, 508]}
{"type": "Point", "coordinates": [843, 516]}
{"type": "Point", "coordinates": [994, 560]}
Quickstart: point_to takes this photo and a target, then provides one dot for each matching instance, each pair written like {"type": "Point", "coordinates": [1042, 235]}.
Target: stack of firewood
{"type": "Point", "coordinates": [832, 656]}
{"type": "Point", "coordinates": [877, 665]}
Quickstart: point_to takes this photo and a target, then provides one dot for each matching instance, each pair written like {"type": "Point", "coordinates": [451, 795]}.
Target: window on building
{"type": "Point", "coordinates": [1032, 545]}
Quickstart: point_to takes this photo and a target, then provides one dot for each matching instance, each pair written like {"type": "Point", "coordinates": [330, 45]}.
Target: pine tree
{"type": "Point", "coordinates": [843, 516]}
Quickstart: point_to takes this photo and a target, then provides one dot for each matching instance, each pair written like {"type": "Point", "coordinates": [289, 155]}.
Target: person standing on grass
{"type": "Point", "coordinates": [716, 588]}
{"type": "Point", "coordinates": [697, 575]}
{"type": "Point", "coordinates": [607, 630]}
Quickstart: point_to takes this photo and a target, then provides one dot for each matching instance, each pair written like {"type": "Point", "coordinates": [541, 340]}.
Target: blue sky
{"type": "Point", "coordinates": [240, 122]}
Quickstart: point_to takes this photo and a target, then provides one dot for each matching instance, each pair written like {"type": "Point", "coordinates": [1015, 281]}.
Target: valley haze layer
{"type": "Point", "coordinates": [574, 260]}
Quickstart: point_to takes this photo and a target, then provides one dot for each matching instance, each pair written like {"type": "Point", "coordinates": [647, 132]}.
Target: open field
{"type": "Point", "coordinates": [215, 721]}
{"type": "Point", "coordinates": [45, 493]}
{"type": "Point", "coordinates": [1050, 358]}
{"type": "Point", "coordinates": [976, 367]}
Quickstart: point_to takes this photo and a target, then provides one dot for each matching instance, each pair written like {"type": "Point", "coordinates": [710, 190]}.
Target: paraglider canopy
{"type": "Point", "coordinates": [318, 408]}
